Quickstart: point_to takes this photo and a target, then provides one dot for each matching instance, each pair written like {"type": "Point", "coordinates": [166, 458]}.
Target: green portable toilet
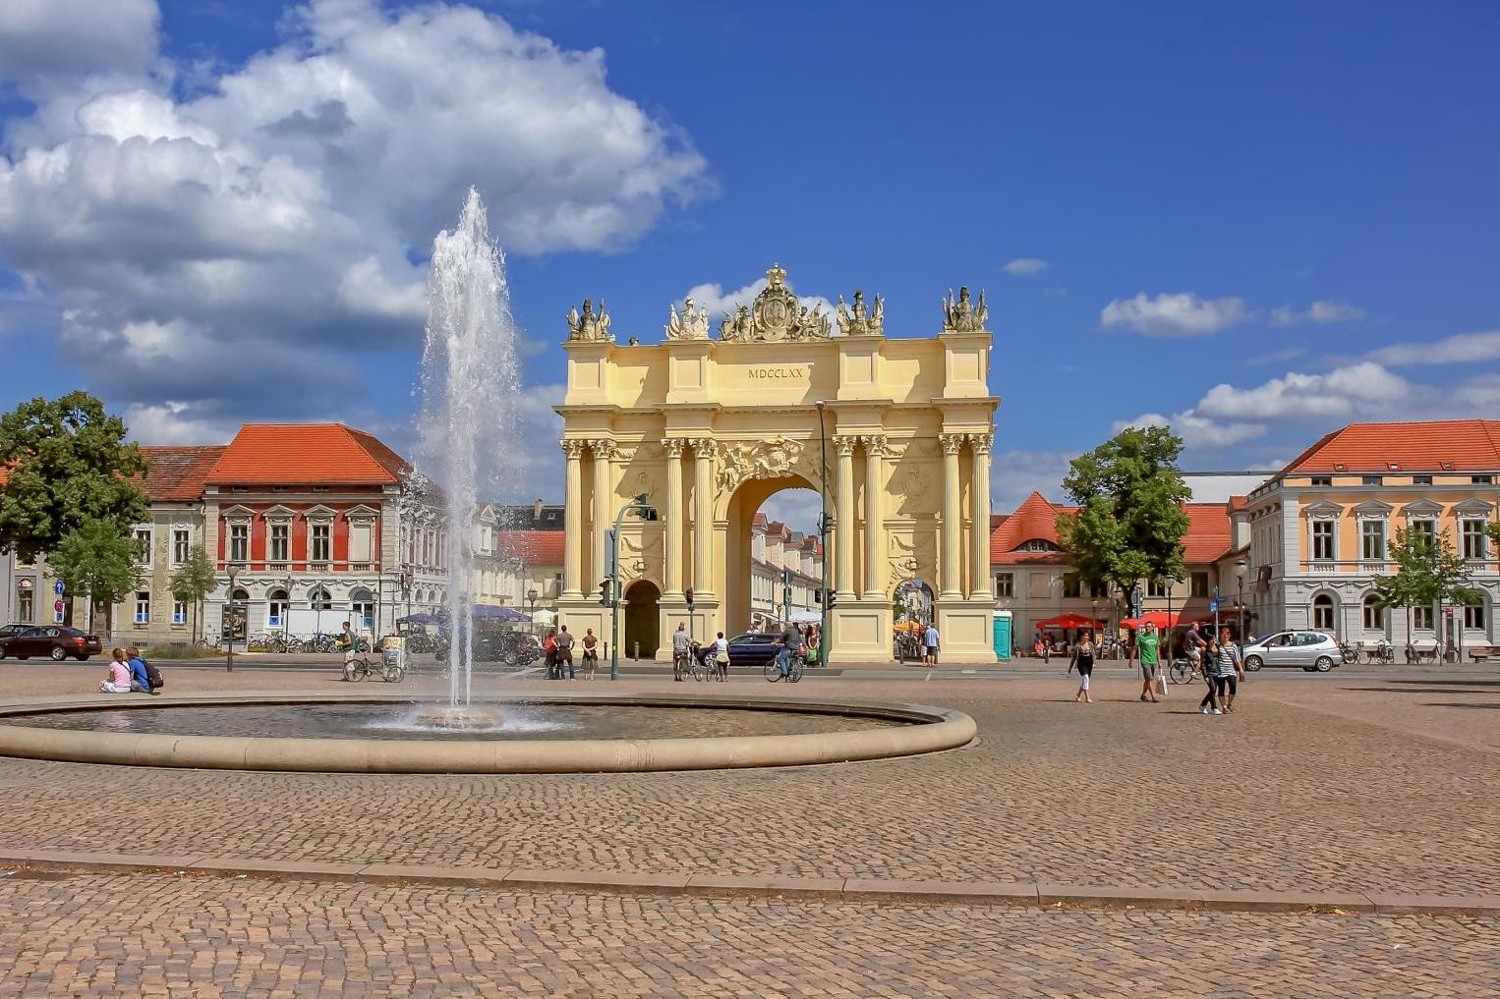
{"type": "Point", "coordinates": [1002, 635]}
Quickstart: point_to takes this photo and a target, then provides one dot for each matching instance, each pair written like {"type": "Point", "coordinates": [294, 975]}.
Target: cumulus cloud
{"type": "Point", "coordinates": [1016, 474]}
{"type": "Point", "coordinates": [1196, 430]}
{"type": "Point", "coordinates": [1025, 266]}
{"type": "Point", "coordinates": [1318, 312]}
{"type": "Point", "coordinates": [40, 38]}
{"type": "Point", "coordinates": [241, 245]}
{"type": "Point", "coordinates": [1462, 348]}
{"type": "Point", "coordinates": [1343, 392]}
{"type": "Point", "coordinates": [1180, 314]}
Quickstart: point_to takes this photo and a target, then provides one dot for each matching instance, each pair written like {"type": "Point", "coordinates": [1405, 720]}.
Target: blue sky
{"type": "Point", "coordinates": [1255, 221]}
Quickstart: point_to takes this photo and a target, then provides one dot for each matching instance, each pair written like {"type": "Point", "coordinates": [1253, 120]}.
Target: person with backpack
{"type": "Point", "coordinates": [140, 673]}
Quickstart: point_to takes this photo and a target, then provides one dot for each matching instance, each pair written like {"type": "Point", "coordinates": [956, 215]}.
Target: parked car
{"type": "Point", "coordinates": [752, 649]}
{"type": "Point", "coordinates": [12, 630]}
{"type": "Point", "coordinates": [53, 641]}
{"type": "Point", "coordinates": [1310, 650]}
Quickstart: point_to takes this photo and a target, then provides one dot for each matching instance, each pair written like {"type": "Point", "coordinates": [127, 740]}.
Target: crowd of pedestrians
{"type": "Point", "coordinates": [1216, 660]}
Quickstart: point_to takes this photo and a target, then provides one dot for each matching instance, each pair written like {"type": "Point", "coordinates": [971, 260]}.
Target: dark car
{"type": "Point", "coordinates": [11, 631]}
{"type": "Point", "coordinates": [53, 641]}
{"type": "Point", "coordinates": [753, 649]}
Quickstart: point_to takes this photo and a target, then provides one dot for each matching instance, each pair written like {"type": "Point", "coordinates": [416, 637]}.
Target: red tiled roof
{"type": "Point", "coordinates": [532, 547]}
{"type": "Point", "coordinates": [1237, 503]}
{"type": "Point", "coordinates": [1465, 445]}
{"type": "Point", "coordinates": [760, 520]}
{"type": "Point", "coordinates": [1034, 519]}
{"type": "Point", "coordinates": [1208, 535]}
{"type": "Point", "coordinates": [177, 474]}
{"type": "Point", "coordinates": [306, 453]}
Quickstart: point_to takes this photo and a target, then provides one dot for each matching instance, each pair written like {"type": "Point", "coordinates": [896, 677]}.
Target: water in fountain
{"type": "Point", "coordinates": [468, 390]}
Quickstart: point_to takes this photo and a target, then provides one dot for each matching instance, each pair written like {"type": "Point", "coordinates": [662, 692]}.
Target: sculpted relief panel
{"type": "Point", "coordinates": [776, 458]}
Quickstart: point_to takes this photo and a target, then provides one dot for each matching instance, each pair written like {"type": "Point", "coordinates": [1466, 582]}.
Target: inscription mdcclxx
{"type": "Point", "coordinates": [778, 372]}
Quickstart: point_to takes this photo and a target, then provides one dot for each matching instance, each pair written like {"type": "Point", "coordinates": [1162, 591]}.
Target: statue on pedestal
{"type": "Point", "coordinates": [857, 320]}
{"type": "Point", "coordinates": [589, 325]}
{"type": "Point", "coordinates": [691, 324]}
{"type": "Point", "coordinates": [963, 316]}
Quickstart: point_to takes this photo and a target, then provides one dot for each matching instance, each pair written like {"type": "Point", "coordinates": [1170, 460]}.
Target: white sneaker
{"type": "Point", "coordinates": [1217, 711]}
{"type": "Point", "coordinates": [1203, 710]}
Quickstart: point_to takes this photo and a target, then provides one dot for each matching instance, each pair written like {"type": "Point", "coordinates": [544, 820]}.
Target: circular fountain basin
{"type": "Point", "coordinates": [558, 733]}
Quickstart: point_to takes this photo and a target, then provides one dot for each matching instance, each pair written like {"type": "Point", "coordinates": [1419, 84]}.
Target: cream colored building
{"type": "Point", "coordinates": [898, 432]}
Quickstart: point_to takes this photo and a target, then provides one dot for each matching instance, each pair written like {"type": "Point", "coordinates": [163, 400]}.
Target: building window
{"type": "Point", "coordinates": [1005, 584]}
{"type": "Point", "coordinates": [276, 608]}
{"type": "Point", "coordinates": [1421, 480]}
{"type": "Point", "coordinates": [1038, 545]}
{"type": "Point", "coordinates": [1321, 480]}
{"type": "Point", "coordinates": [1476, 546]}
{"type": "Point", "coordinates": [360, 541]}
{"type": "Point", "coordinates": [1421, 618]}
{"type": "Point", "coordinates": [182, 545]}
{"type": "Point", "coordinates": [1199, 582]}
{"type": "Point", "coordinates": [179, 612]}
{"type": "Point", "coordinates": [322, 545]}
{"type": "Point", "coordinates": [1372, 480]}
{"type": "Point", "coordinates": [143, 608]}
{"type": "Point", "coordinates": [25, 602]}
{"type": "Point", "coordinates": [1426, 530]}
{"type": "Point", "coordinates": [1099, 591]}
{"type": "Point", "coordinates": [1482, 480]}
{"type": "Point", "coordinates": [1372, 540]}
{"type": "Point", "coordinates": [239, 542]}
{"type": "Point", "coordinates": [319, 600]}
{"type": "Point", "coordinates": [1322, 612]}
{"type": "Point", "coordinates": [280, 542]}
{"type": "Point", "coordinates": [1474, 616]}
{"type": "Point", "coordinates": [1322, 541]}
{"type": "Point", "coordinates": [363, 606]}
{"type": "Point", "coordinates": [143, 545]}
{"type": "Point", "coordinates": [1374, 614]}
{"type": "Point", "coordinates": [1158, 588]}
{"type": "Point", "coordinates": [1072, 587]}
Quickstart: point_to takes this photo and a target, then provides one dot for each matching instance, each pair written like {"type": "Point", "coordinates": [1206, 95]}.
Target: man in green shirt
{"type": "Point", "coordinates": [1148, 644]}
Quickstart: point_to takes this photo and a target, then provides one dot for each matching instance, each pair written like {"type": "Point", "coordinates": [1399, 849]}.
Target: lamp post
{"type": "Point", "coordinates": [234, 572]}
{"type": "Point", "coordinates": [643, 508]}
{"type": "Point", "coordinates": [405, 579]}
{"type": "Point", "coordinates": [286, 613]}
{"type": "Point", "coordinates": [1239, 574]}
{"type": "Point", "coordinates": [825, 642]}
{"type": "Point", "coordinates": [531, 600]}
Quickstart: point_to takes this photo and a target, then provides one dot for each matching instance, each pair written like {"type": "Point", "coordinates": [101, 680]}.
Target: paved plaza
{"type": "Point", "coordinates": [1339, 783]}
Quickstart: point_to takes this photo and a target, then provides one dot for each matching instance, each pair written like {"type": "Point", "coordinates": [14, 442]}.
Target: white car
{"type": "Point", "coordinates": [1310, 650]}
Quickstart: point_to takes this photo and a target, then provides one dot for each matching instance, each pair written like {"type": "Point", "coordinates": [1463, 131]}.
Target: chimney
{"type": "Point", "coordinates": [536, 510]}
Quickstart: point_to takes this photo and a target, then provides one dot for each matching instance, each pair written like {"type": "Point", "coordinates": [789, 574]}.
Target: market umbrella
{"type": "Point", "coordinates": [1159, 618]}
{"type": "Point", "coordinates": [490, 612]}
{"type": "Point", "coordinates": [420, 619]}
{"type": "Point", "coordinates": [1069, 622]}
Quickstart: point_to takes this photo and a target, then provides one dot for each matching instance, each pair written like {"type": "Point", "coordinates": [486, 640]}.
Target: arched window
{"type": "Point", "coordinates": [26, 601]}
{"type": "Point", "coordinates": [1374, 614]}
{"type": "Point", "coordinates": [276, 608]}
{"type": "Point", "coordinates": [240, 595]}
{"type": "Point", "coordinates": [362, 603]}
{"type": "Point", "coordinates": [1322, 612]}
{"type": "Point", "coordinates": [319, 599]}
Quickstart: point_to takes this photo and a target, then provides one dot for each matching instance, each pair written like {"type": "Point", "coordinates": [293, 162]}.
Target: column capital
{"type": "Point", "coordinates": [573, 448]}
{"type": "Point", "coordinates": [952, 443]}
{"type": "Point", "coordinates": [703, 447]}
{"type": "Point", "coordinates": [874, 444]}
{"type": "Point", "coordinates": [981, 442]}
{"type": "Point", "coordinates": [845, 445]}
{"type": "Point", "coordinates": [603, 448]}
{"type": "Point", "coordinates": [673, 446]}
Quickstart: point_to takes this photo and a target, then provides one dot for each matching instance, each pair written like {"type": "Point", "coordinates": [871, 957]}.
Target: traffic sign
{"type": "Point", "coordinates": [57, 605]}
{"type": "Point", "coordinates": [59, 617]}
{"type": "Point", "coordinates": [58, 589]}
{"type": "Point", "coordinates": [1213, 606]}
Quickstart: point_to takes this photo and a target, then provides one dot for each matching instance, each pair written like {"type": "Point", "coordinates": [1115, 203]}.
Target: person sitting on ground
{"type": "Point", "coordinates": [118, 680]}
{"type": "Point", "coordinates": [140, 677]}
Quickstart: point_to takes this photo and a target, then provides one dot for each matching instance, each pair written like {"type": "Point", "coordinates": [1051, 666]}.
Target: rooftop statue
{"type": "Point", "coordinates": [589, 325]}
{"type": "Point", "coordinates": [856, 320]}
{"type": "Point", "coordinates": [691, 324]}
{"type": "Point", "coordinates": [775, 316]}
{"type": "Point", "coordinates": [963, 316]}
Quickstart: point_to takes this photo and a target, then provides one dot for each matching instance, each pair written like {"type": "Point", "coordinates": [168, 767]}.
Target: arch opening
{"type": "Point", "coordinates": [773, 556]}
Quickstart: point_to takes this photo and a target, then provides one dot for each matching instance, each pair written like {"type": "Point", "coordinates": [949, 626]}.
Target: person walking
{"type": "Point", "coordinates": [721, 658]}
{"type": "Point", "coordinates": [565, 655]}
{"type": "Point", "coordinates": [682, 648]}
{"type": "Point", "coordinates": [1148, 647]}
{"type": "Point", "coordinates": [930, 638]}
{"type": "Point", "coordinates": [1228, 670]}
{"type": "Point", "coordinates": [590, 653]}
{"type": "Point", "coordinates": [1083, 661]}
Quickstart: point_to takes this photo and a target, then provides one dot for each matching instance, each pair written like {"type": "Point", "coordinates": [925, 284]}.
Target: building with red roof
{"type": "Point", "coordinates": [1321, 530]}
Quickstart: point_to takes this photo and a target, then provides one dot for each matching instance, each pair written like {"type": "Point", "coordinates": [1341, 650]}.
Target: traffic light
{"type": "Point", "coordinates": [830, 599]}
{"type": "Point", "coordinates": [604, 594]}
{"type": "Point", "coordinates": [688, 593]}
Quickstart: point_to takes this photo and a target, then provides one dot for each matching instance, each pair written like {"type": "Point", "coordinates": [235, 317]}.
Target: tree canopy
{"type": "Point", "coordinates": [66, 463]}
{"type": "Point", "coordinates": [1130, 521]}
{"type": "Point", "coordinates": [1428, 570]}
{"type": "Point", "coordinates": [96, 560]}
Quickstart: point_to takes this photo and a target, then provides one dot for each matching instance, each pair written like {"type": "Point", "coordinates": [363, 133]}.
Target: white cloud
{"type": "Point", "coordinates": [1196, 430]}
{"type": "Point", "coordinates": [1318, 312]}
{"type": "Point", "coordinates": [1462, 348]}
{"type": "Point", "coordinates": [1017, 474]}
{"type": "Point", "coordinates": [1025, 266]}
{"type": "Point", "coordinates": [1348, 392]}
{"type": "Point", "coordinates": [167, 423]}
{"type": "Point", "coordinates": [45, 37]}
{"type": "Point", "coordinates": [262, 227]}
{"type": "Point", "coordinates": [796, 508]}
{"type": "Point", "coordinates": [1180, 314]}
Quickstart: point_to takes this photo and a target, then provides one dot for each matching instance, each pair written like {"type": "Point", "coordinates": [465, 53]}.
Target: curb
{"type": "Point", "coordinates": [1018, 893]}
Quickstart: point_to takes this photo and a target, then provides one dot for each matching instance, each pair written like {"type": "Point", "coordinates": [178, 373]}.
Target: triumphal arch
{"type": "Point", "coordinates": [709, 423]}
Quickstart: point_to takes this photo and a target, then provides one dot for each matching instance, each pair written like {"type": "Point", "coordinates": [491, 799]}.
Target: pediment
{"type": "Point", "coordinates": [361, 512]}
{"type": "Point", "coordinates": [1422, 508]}
{"type": "Point", "coordinates": [320, 512]}
{"type": "Point", "coordinates": [237, 512]}
{"type": "Point", "coordinates": [1474, 508]}
{"type": "Point", "coordinates": [1323, 509]}
{"type": "Point", "coordinates": [279, 512]}
{"type": "Point", "coordinates": [1374, 509]}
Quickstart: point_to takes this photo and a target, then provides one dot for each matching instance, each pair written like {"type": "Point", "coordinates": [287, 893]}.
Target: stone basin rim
{"type": "Point", "coordinates": [929, 729]}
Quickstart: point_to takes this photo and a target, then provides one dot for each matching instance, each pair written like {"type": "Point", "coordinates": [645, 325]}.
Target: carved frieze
{"type": "Point", "coordinates": [740, 461]}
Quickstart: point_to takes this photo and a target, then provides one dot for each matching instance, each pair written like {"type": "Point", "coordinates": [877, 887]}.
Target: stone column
{"type": "Point", "coordinates": [604, 517]}
{"type": "Point", "coordinates": [703, 517]}
{"type": "Point", "coordinates": [979, 518]}
{"type": "Point", "coordinates": [952, 514]}
{"type": "Point", "coordinates": [674, 515]}
{"type": "Point", "coordinates": [843, 528]}
{"type": "Point", "coordinates": [874, 445]}
{"type": "Point", "coordinates": [573, 520]}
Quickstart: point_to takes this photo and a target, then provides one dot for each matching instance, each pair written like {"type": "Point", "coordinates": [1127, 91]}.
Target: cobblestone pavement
{"type": "Point", "coordinates": [155, 935]}
{"type": "Point", "coordinates": [1119, 793]}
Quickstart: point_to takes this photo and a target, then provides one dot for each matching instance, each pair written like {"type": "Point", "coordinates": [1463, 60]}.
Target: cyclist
{"type": "Point", "coordinates": [1193, 646]}
{"type": "Point", "coordinates": [791, 644]}
{"type": "Point", "coordinates": [345, 643]}
{"type": "Point", "coordinates": [682, 648]}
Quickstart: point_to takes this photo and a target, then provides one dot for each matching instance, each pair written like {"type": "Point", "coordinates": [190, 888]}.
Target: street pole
{"type": "Point", "coordinates": [825, 643]}
{"type": "Point", "coordinates": [643, 507]}
{"type": "Point", "coordinates": [229, 607]}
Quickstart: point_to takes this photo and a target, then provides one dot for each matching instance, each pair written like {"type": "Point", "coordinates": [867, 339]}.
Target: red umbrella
{"type": "Point", "coordinates": [1069, 622]}
{"type": "Point", "coordinates": [1159, 618]}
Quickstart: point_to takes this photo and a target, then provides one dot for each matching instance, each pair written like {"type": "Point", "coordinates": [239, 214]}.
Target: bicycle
{"type": "Point", "coordinates": [795, 670]}
{"type": "Point", "coordinates": [389, 672]}
{"type": "Point", "coordinates": [1181, 671]}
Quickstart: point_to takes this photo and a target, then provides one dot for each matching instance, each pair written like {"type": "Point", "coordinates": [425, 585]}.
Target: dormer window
{"type": "Point", "coordinates": [1321, 480]}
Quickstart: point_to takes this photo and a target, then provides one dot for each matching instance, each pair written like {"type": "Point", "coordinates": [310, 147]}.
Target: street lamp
{"type": "Point", "coordinates": [531, 599]}
{"type": "Point", "coordinates": [234, 571]}
{"type": "Point", "coordinates": [643, 508]}
{"type": "Point", "coordinates": [825, 641]}
{"type": "Point", "coordinates": [286, 613]}
{"type": "Point", "coordinates": [1239, 574]}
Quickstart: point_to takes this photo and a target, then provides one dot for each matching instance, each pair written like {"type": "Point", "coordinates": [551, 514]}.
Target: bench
{"type": "Point", "coordinates": [1481, 653]}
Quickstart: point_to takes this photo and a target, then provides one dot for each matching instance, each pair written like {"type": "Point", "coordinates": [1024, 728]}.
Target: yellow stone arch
{"type": "Point", "coordinates": [709, 426]}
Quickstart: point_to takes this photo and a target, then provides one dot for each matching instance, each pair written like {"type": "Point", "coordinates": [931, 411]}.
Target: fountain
{"type": "Point", "coordinates": [468, 384]}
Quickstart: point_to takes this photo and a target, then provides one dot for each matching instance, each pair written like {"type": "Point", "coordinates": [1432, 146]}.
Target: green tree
{"type": "Point", "coordinates": [97, 561]}
{"type": "Point", "coordinates": [194, 580]}
{"type": "Point", "coordinates": [1130, 521]}
{"type": "Point", "coordinates": [1429, 571]}
{"type": "Point", "coordinates": [67, 463]}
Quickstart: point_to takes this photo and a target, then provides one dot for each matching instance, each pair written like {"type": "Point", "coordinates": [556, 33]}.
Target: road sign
{"type": "Point", "coordinates": [57, 605]}
{"type": "Point", "coordinates": [57, 588]}
{"type": "Point", "coordinates": [58, 617]}
{"type": "Point", "coordinates": [1213, 606]}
